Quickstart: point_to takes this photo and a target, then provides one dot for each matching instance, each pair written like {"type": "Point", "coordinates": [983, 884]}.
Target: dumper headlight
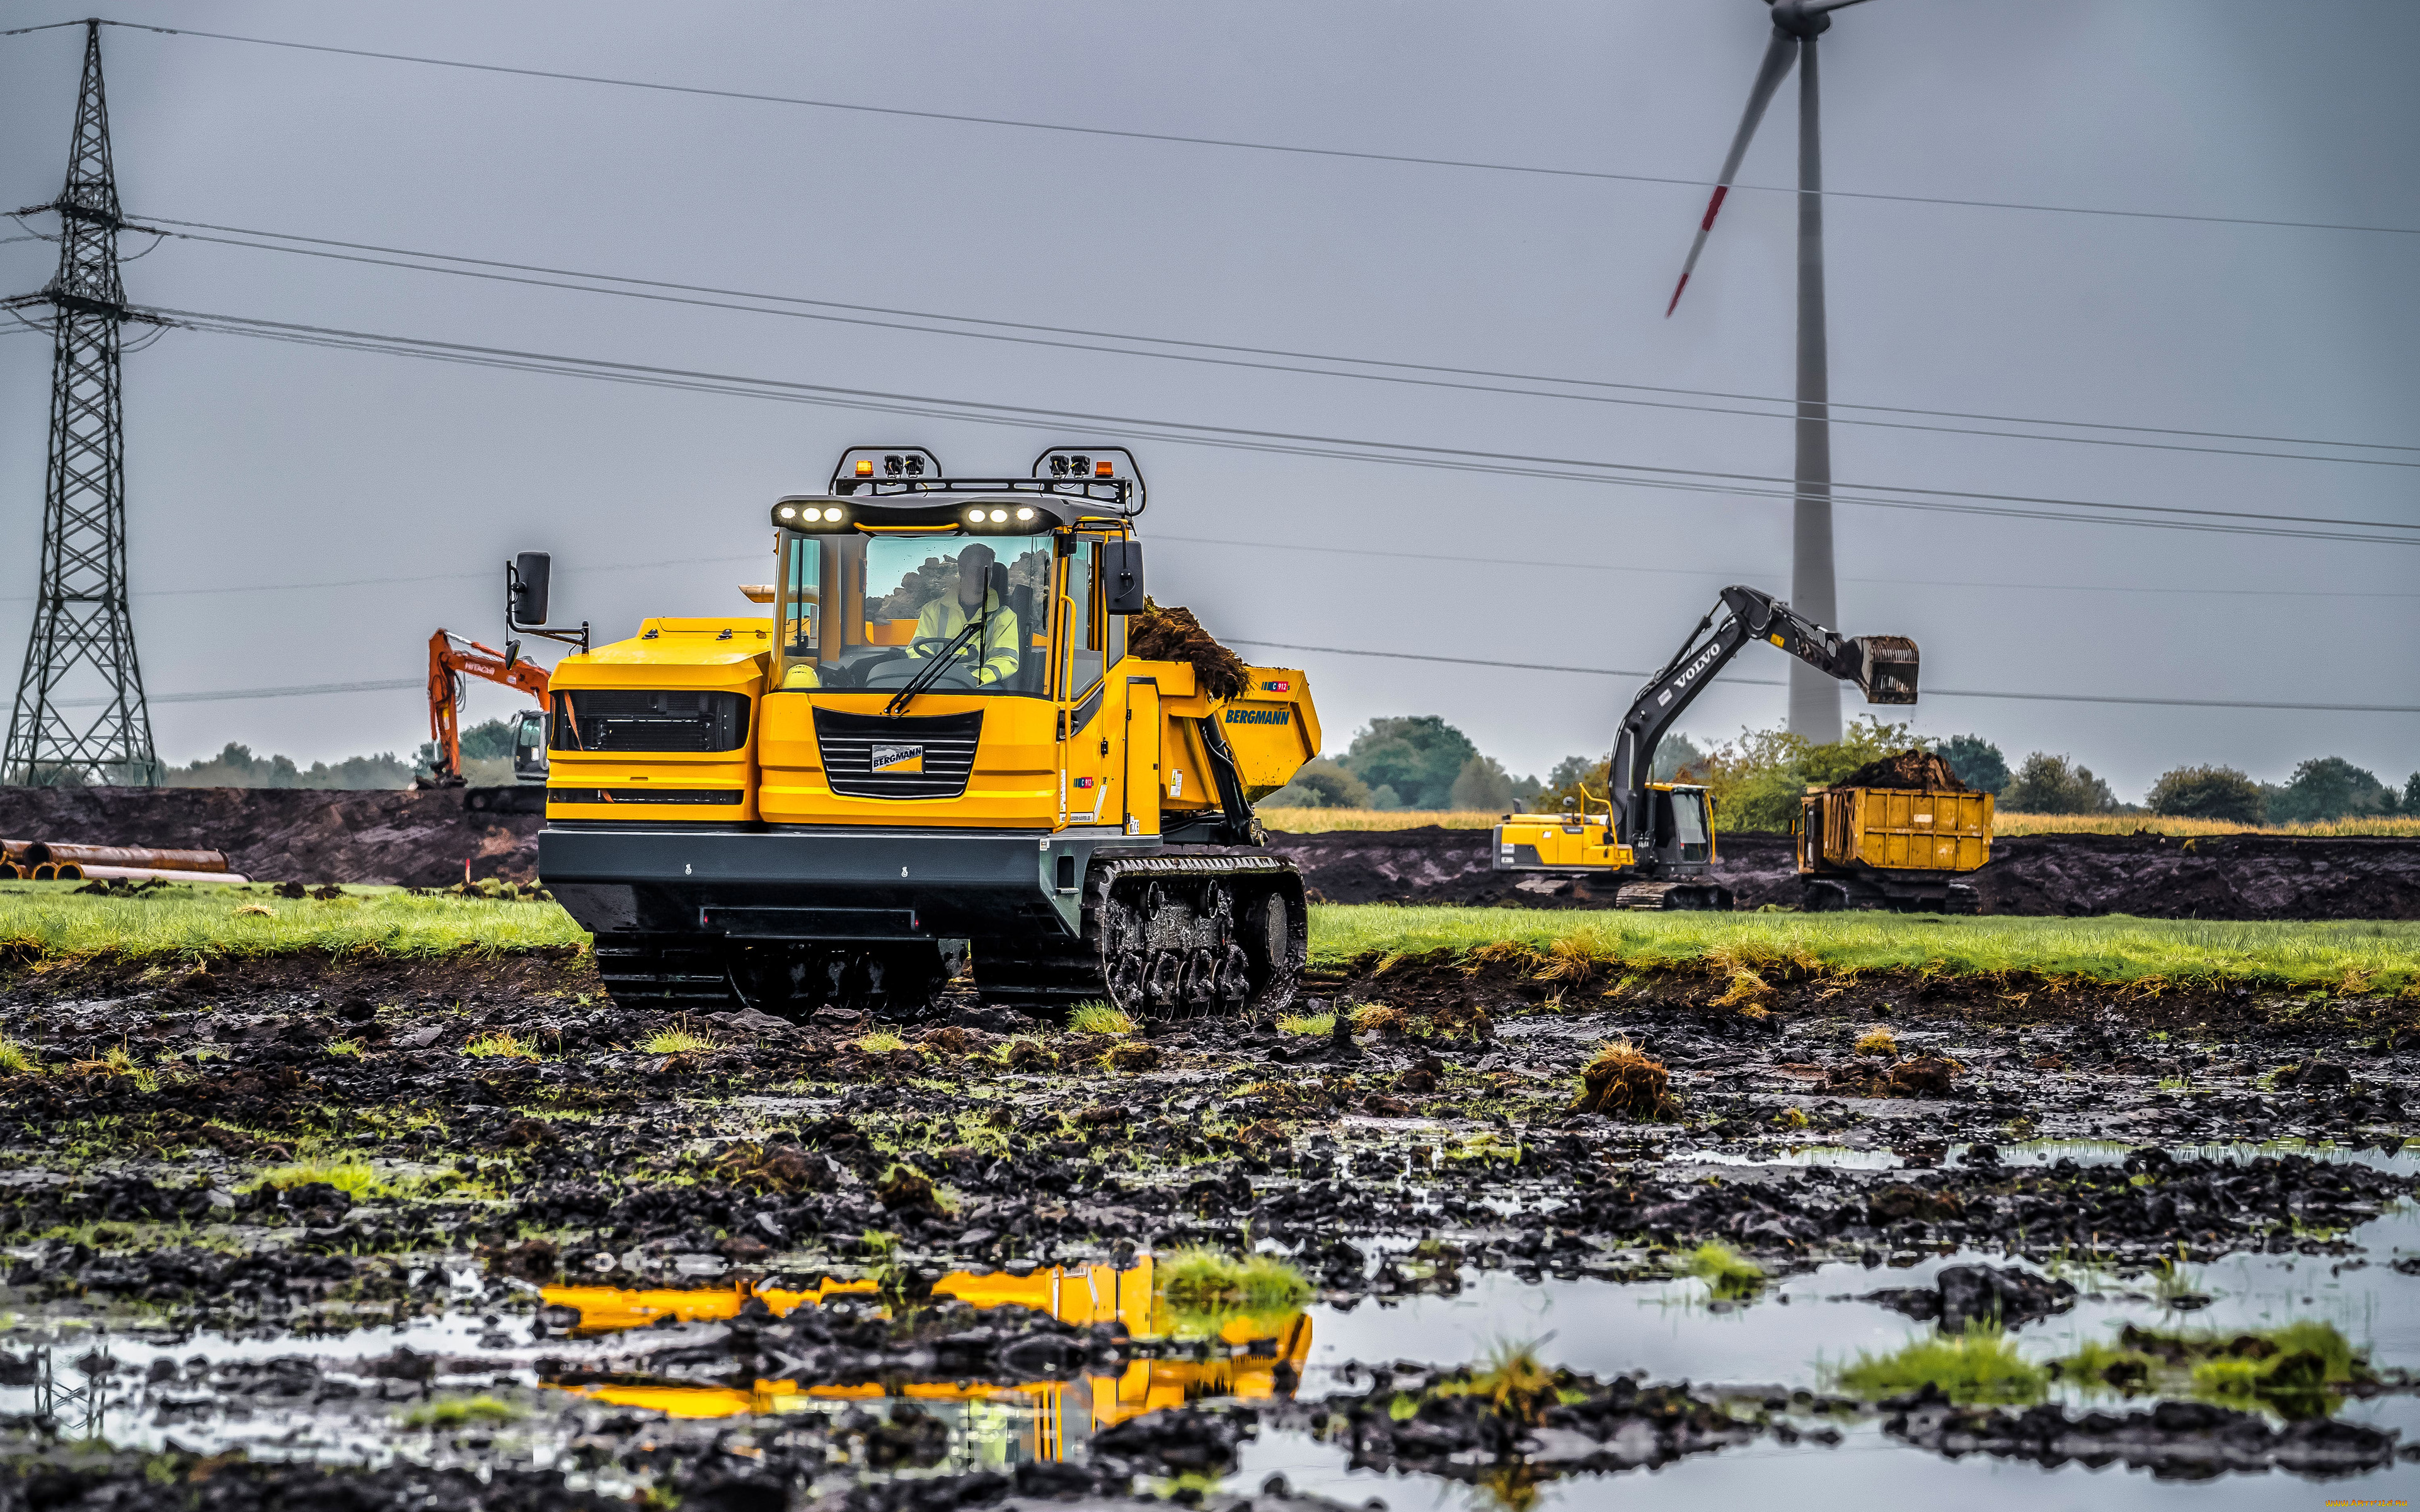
{"type": "Point", "coordinates": [788, 512]}
{"type": "Point", "coordinates": [1026, 513]}
{"type": "Point", "coordinates": [833, 515]}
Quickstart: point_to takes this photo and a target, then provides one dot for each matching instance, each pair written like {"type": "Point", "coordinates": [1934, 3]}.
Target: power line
{"type": "Point", "coordinates": [1929, 692]}
{"type": "Point", "coordinates": [1696, 480]}
{"type": "Point", "coordinates": [1225, 354]}
{"type": "Point", "coordinates": [1237, 143]}
{"type": "Point", "coordinates": [1739, 575]}
{"type": "Point", "coordinates": [388, 684]}
{"type": "Point", "coordinates": [1705, 574]}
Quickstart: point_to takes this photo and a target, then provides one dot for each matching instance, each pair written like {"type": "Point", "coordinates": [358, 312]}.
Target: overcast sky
{"type": "Point", "coordinates": [268, 481]}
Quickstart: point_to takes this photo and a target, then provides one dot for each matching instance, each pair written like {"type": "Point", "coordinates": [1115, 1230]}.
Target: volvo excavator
{"type": "Point", "coordinates": [1658, 838]}
{"type": "Point", "coordinates": [937, 740]}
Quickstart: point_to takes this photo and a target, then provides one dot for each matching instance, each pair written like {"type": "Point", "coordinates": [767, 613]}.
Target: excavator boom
{"type": "Point", "coordinates": [451, 661]}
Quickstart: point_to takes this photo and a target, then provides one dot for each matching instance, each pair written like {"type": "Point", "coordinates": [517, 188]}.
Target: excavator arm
{"type": "Point", "coordinates": [1883, 666]}
{"type": "Point", "coordinates": [451, 661]}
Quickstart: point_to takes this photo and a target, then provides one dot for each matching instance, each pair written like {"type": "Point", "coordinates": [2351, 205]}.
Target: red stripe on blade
{"type": "Point", "coordinates": [1676, 296]}
{"type": "Point", "coordinates": [1714, 206]}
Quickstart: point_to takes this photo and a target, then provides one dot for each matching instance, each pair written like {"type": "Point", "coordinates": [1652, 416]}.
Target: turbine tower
{"type": "Point", "coordinates": [1814, 699]}
{"type": "Point", "coordinates": [80, 658]}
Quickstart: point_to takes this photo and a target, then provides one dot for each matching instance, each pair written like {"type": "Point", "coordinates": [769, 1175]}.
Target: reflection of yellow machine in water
{"type": "Point", "coordinates": [1256, 1349]}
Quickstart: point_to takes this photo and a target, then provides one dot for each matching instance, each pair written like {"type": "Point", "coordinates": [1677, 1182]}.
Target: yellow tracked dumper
{"type": "Point", "coordinates": [936, 739]}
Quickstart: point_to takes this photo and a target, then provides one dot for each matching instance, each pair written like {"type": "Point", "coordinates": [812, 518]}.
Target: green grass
{"type": "Point", "coordinates": [501, 1045]}
{"type": "Point", "coordinates": [2346, 955]}
{"type": "Point", "coordinates": [681, 1043]}
{"type": "Point", "coordinates": [2294, 1369]}
{"type": "Point", "coordinates": [1724, 1269]}
{"type": "Point", "coordinates": [880, 1041]}
{"type": "Point", "coordinates": [461, 1412]}
{"type": "Point", "coordinates": [1307, 1024]}
{"type": "Point", "coordinates": [356, 1179]}
{"type": "Point", "coordinates": [50, 919]}
{"type": "Point", "coordinates": [1098, 1018]}
{"type": "Point", "coordinates": [1207, 1282]}
{"type": "Point", "coordinates": [13, 1059]}
{"type": "Point", "coordinates": [1978, 1366]}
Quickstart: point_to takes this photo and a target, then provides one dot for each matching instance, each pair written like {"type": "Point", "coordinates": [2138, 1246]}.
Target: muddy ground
{"type": "Point", "coordinates": [1437, 1148]}
{"type": "Point", "coordinates": [2151, 876]}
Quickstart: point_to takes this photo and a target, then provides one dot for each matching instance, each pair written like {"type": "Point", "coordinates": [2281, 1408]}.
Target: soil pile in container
{"type": "Point", "coordinates": [1160, 634]}
{"type": "Point", "coordinates": [1910, 768]}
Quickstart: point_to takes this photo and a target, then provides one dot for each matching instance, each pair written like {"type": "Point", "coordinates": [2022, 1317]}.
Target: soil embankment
{"type": "Point", "coordinates": [421, 839]}
{"type": "Point", "coordinates": [412, 837]}
{"type": "Point", "coordinates": [2152, 876]}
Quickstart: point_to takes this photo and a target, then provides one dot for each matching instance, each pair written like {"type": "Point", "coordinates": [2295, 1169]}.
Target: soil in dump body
{"type": "Point", "coordinates": [1910, 768]}
{"type": "Point", "coordinates": [1173, 634]}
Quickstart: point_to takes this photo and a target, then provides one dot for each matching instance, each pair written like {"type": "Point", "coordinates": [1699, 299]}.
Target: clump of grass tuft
{"type": "Point", "coordinates": [356, 1179]}
{"type": "Point", "coordinates": [1513, 1379]}
{"type": "Point", "coordinates": [1204, 1281]}
{"type": "Point", "coordinates": [1624, 1082]}
{"type": "Point", "coordinates": [1748, 993]}
{"type": "Point", "coordinates": [680, 1042]}
{"type": "Point", "coordinates": [461, 1412]}
{"type": "Point", "coordinates": [2297, 1370]}
{"type": "Point", "coordinates": [1314, 1024]}
{"type": "Point", "coordinates": [345, 1047]}
{"type": "Point", "coordinates": [1978, 1366]}
{"type": "Point", "coordinates": [1730, 1275]}
{"type": "Point", "coordinates": [1098, 1017]}
{"type": "Point", "coordinates": [1377, 1018]}
{"type": "Point", "coordinates": [1877, 1040]}
{"type": "Point", "coordinates": [501, 1045]}
{"type": "Point", "coordinates": [14, 1060]}
{"type": "Point", "coordinates": [879, 1041]}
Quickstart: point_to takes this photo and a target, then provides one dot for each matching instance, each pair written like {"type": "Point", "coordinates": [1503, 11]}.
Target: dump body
{"type": "Point", "coordinates": [1896, 830]}
{"type": "Point", "coordinates": [1894, 847]}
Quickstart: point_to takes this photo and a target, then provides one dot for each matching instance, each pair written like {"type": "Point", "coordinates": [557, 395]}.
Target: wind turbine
{"type": "Point", "coordinates": [1814, 698]}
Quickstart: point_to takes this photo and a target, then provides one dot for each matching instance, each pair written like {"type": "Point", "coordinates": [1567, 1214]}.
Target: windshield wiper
{"type": "Point", "coordinates": [923, 680]}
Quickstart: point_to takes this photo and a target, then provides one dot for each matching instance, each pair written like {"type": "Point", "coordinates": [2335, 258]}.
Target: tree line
{"type": "Point", "coordinates": [1422, 761]}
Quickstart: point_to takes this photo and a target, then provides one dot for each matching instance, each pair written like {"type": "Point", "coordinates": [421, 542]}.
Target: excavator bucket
{"type": "Point", "coordinates": [1886, 668]}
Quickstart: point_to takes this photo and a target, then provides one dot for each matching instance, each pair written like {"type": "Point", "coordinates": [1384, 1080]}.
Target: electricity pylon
{"type": "Point", "coordinates": [80, 658]}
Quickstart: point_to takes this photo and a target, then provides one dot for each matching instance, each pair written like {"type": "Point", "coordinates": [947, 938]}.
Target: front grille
{"type": "Point", "coordinates": [649, 719]}
{"type": "Point", "coordinates": [945, 746]}
{"type": "Point", "coordinates": [720, 796]}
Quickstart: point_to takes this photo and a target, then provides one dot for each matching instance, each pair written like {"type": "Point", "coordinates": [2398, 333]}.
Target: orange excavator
{"type": "Point", "coordinates": [452, 661]}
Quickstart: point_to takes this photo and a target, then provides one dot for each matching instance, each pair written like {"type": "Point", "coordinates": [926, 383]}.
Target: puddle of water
{"type": "Point", "coordinates": [1668, 1330]}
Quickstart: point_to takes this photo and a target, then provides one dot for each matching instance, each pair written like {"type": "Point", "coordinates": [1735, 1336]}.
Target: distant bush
{"type": "Point", "coordinates": [1419, 757]}
{"type": "Point", "coordinates": [1332, 784]}
{"type": "Point", "coordinates": [1482, 783]}
{"type": "Point", "coordinates": [2209, 793]}
{"type": "Point", "coordinates": [2049, 784]}
{"type": "Point", "coordinates": [2328, 787]}
{"type": "Point", "coordinates": [1977, 763]}
{"type": "Point", "coordinates": [1756, 781]}
{"type": "Point", "coordinates": [237, 767]}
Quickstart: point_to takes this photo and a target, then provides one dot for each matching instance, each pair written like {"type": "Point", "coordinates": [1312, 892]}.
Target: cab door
{"type": "Point", "coordinates": [1087, 744]}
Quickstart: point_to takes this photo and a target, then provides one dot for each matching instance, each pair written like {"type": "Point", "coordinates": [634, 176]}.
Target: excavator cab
{"type": "Point", "coordinates": [529, 747]}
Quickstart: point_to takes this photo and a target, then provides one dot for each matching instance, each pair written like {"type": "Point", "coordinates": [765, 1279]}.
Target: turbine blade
{"type": "Point", "coordinates": [1778, 55]}
{"type": "Point", "coordinates": [1818, 8]}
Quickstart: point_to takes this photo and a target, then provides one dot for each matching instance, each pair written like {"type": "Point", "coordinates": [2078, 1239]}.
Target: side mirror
{"type": "Point", "coordinates": [530, 573]}
{"type": "Point", "coordinates": [1122, 575]}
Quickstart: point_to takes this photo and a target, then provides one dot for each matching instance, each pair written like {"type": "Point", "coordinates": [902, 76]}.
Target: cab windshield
{"type": "Point", "coordinates": [876, 611]}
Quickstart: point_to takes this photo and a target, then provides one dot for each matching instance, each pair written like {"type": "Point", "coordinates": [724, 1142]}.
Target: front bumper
{"type": "Point", "coordinates": [824, 884]}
